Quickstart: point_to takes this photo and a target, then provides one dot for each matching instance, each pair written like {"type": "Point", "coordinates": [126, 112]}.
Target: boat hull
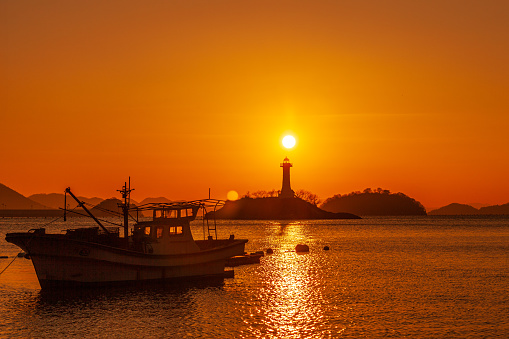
{"type": "Point", "coordinates": [59, 261]}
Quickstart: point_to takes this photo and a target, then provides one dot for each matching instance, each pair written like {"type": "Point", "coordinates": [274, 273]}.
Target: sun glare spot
{"type": "Point", "coordinates": [232, 195]}
{"type": "Point", "coordinates": [288, 141]}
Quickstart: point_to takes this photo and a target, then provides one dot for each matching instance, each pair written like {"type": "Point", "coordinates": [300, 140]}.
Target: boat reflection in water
{"type": "Point", "coordinates": [157, 250]}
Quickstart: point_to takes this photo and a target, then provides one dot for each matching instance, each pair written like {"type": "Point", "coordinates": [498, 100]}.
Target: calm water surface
{"type": "Point", "coordinates": [424, 277]}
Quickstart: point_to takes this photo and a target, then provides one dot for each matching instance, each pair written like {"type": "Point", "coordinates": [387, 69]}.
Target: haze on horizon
{"type": "Point", "coordinates": [410, 96]}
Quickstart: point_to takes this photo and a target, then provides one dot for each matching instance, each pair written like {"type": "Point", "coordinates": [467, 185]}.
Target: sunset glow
{"type": "Point", "coordinates": [254, 169]}
{"type": "Point", "coordinates": [186, 96]}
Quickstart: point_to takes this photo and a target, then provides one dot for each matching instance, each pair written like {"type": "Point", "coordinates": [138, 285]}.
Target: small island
{"type": "Point", "coordinates": [275, 208]}
{"type": "Point", "coordinates": [377, 202]}
{"type": "Point", "coordinates": [285, 206]}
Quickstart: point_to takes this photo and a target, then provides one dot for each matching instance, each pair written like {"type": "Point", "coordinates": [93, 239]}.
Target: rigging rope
{"type": "Point", "coordinates": [113, 213]}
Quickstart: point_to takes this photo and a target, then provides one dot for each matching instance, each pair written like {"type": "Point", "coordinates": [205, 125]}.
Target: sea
{"type": "Point", "coordinates": [382, 277]}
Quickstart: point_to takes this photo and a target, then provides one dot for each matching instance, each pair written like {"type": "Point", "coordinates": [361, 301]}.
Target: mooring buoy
{"type": "Point", "coordinates": [301, 248]}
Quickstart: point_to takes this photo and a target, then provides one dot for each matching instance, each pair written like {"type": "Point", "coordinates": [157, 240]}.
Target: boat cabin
{"type": "Point", "coordinates": [168, 232]}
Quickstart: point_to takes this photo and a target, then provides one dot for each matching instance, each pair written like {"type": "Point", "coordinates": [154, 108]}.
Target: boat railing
{"type": "Point", "coordinates": [162, 210]}
{"type": "Point", "coordinates": [111, 230]}
{"type": "Point", "coordinates": [211, 226]}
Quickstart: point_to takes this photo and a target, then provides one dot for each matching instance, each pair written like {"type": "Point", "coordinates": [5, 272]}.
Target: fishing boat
{"type": "Point", "coordinates": [158, 249]}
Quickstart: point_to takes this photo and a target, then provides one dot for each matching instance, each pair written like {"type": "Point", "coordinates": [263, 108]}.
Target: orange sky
{"type": "Point", "coordinates": [410, 96]}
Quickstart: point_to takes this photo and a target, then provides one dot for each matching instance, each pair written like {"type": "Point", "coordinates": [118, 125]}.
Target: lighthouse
{"type": "Point", "coordinates": [286, 190]}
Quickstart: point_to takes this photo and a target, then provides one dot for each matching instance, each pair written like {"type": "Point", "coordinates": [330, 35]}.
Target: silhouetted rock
{"type": "Point", "coordinates": [275, 209]}
{"type": "Point", "coordinates": [455, 209]}
{"type": "Point", "coordinates": [380, 202]}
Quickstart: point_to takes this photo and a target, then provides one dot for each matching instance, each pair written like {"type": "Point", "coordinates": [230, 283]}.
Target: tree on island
{"type": "Point", "coordinates": [262, 194]}
{"type": "Point", "coordinates": [308, 196]}
{"type": "Point", "coordinates": [274, 208]}
{"type": "Point", "coordinates": [374, 202]}
{"type": "Point", "coordinates": [301, 194]}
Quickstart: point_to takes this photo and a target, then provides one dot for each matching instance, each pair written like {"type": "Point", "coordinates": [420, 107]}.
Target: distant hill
{"type": "Point", "coordinates": [275, 209]}
{"type": "Point", "coordinates": [56, 200]}
{"type": "Point", "coordinates": [455, 209]}
{"type": "Point", "coordinates": [496, 209]}
{"type": "Point", "coordinates": [109, 208]}
{"type": "Point", "coordinates": [112, 204]}
{"type": "Point", "coordinates": [154, 200]}
{"type": "Point", "coordinates": [13, 204]}
{"type": "Point", "coordinates": [379, 202]}
{"type": "Point", "coordinates": [12, 200]}
{"type": "Point", "coordinates": [462, 209]}
{"type": "Point", "coordinates": [478, 205]}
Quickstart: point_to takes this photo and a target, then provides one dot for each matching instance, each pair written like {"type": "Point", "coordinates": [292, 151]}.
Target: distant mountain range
{"type": "Point", "coordinates": [154, 200]}
{"type": "Point", "coordinates": [462, 209]}
{"type": "Point", "coordinates": [56, 200]}
{"type": "Point", "coordinates": [11, 200]}
{"type": "Point", "coordinates": [369, 203]}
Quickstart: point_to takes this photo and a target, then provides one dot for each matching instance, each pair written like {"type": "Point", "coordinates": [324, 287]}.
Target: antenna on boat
{"type": "Point", "coordinates": [65, 205]}
{"type": "Point", "coordinates": [126, 195]}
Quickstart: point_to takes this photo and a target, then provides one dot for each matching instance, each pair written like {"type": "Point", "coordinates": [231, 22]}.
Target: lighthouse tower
{"type": "Point", "coordinates": [286, 190]}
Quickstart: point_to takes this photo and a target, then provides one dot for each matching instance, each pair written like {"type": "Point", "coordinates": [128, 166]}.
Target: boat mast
{"type": "Point", "coordinates": [126, 195]}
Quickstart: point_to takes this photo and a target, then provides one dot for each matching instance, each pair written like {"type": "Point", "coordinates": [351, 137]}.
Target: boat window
{"type": "Point", "coordinates": [158, 213]}
{"type": "Point", "coordinates": [188, 212]}
{"type": "Point", "coordinates": [171, 214]}
{"type": "Point", "coordinates": [147, 230]}
{"type": "Point", "coordinates": [174, 230]}
{"type": "Point", "coordinates": [159, 232]}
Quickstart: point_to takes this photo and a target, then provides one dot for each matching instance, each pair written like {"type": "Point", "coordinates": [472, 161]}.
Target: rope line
{"type": "Point", "coordinates": [28, 242]}
{"type": "Point", "coordinates": [52, 221]}
{"type": "Point", "coordinates": [6, 267]}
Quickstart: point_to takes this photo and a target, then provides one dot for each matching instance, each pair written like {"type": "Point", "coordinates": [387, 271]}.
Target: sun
{"type": "Point", "coordinates": [288, 141]}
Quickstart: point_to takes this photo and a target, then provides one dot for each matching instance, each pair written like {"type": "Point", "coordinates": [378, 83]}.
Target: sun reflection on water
{"type": "Point", "coordinates": [291, 302]}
